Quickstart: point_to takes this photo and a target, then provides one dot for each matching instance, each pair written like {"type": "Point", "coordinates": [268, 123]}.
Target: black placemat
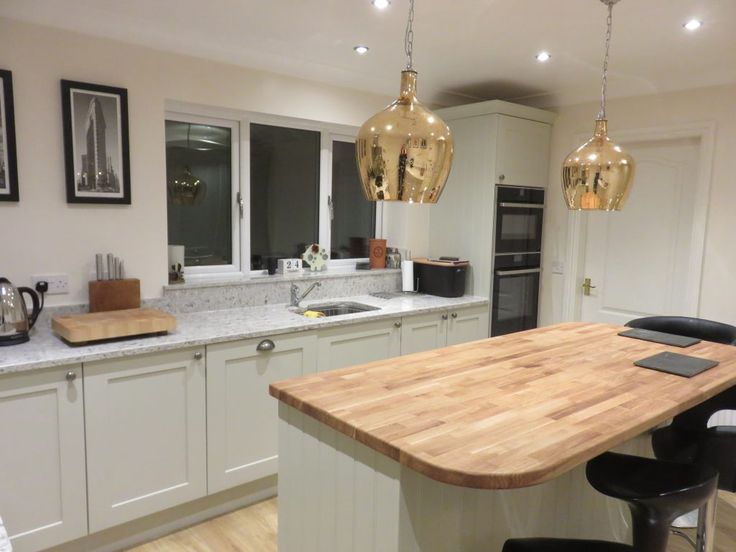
{"type": "Point", "coordinates": [660, 337]}
{"type": "Point", "coordinates": [677, 364]}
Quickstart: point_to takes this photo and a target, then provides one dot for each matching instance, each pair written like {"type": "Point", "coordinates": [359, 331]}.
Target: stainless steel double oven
{"type": "Point", "coordinates": [517, 259]}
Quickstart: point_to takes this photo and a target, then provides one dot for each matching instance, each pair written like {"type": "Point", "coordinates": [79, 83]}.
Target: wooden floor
{"type": "Point", "coordinates": [253, 529]}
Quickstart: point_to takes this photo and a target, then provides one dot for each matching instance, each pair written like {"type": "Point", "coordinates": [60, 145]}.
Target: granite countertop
{"type": "Point", "coordinates": [45, 349]}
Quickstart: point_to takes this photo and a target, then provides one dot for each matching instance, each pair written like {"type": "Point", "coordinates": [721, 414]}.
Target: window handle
{"type": "Point", "coordinates": [241, 203]}
{"type": "Point", "coordinates": [331, 207]}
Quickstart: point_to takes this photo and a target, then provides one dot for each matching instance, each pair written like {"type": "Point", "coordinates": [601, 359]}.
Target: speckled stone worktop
{"type": "Point", "coordinates": [201, 328]}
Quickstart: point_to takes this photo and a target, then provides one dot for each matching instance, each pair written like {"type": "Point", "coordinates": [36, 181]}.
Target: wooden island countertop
{"type": "Point", "coordinates": [510, 411]}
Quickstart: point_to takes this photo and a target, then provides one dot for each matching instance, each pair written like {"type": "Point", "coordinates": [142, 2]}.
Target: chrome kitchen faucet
{"type": "Point", "coordinates": [296, 297]}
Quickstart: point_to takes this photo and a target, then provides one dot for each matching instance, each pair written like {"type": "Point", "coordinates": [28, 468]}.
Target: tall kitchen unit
{"type": "Point", "coordinates": [501, 151]}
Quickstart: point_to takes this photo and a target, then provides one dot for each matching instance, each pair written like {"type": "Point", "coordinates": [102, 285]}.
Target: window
{"type": "Point", "coordinates": [201, 179]}
{"type": "Point", "coordinates": [284, 192]}
{"type": "Point", "coordinates": [246, 188]}
{"type": "Point", "coordinates": [353, 219]}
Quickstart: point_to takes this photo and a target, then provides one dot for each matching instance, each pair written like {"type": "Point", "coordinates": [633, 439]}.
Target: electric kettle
{"type": "Point", "coordinates": [14, 321]}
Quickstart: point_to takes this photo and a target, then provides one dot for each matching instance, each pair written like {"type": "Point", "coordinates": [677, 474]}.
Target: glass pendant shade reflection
{"type": "Point", "coordinates": [404, 153]}
{"type": "Point", "coordinates": [598, 175]}
{"type": "Point", "coordinates": [185, 188]}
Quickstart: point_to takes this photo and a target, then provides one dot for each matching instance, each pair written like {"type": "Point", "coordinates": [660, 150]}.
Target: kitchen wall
{"type": "Point", "coordinates": [717, 104]}
{"type": "Point", "coordinates": [43, 234]}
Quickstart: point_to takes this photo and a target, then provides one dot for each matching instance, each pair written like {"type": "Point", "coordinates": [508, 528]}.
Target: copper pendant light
{"type": "Point", "coordinates": [404, 153]}
{"type": "Point", "coordinates": [598, 175]}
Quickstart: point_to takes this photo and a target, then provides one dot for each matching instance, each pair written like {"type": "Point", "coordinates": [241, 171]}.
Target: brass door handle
{"type": "Point", "coordinates": [587, 286]}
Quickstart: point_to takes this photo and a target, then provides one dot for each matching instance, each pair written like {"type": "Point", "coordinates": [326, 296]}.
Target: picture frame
{"type": "Point", "coordinates": [96, 147]}
{"type": "Point", "coordinates": [8, 154]}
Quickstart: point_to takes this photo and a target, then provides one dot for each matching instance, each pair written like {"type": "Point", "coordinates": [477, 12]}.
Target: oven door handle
{"type": "Point", "coordinates": [518, 272]}
{"type": "Point", "coordinates": [522, 205]}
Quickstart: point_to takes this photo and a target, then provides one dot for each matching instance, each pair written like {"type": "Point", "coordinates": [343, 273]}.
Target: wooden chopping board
{"type": "Point", "coordinates": [95, 326]}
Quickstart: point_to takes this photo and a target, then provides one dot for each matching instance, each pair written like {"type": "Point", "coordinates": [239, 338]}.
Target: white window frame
{"type": "Point", "coordinates": [233, 269]}
{"type": "Point", "coordinates": [242, 120]}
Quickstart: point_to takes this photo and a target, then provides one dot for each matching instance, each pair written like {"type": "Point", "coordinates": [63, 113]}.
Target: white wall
{"type": "Point", "coordinates": [718, 104]}
{"type": "Point", "coordinates": [43, 234]}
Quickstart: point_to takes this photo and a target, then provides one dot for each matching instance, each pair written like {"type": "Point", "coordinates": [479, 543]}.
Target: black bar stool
{"type": "Point", "coordinates": [707, 330]}
{"type": "Point", "coordinates": [657, 493]}
{"type": "Point", "coordinates": [564, 545]}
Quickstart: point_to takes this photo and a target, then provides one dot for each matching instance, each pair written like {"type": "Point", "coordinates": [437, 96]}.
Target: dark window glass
{"type": "Point", "coordinates": [353, 216]}
{"type": "Point", "coordinates": [199, 191]}
{"type": "Point", "coordinates": [284, 192]}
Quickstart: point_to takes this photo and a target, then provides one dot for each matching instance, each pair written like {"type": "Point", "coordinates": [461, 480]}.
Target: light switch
{"type": "Point", "coordinates": [558, 267]}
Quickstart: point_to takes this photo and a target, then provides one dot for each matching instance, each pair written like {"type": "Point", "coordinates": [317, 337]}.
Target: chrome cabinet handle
{"type": "Point", "coordinates": [265, 346]}
{"type": "Point", "coordinates": [397, 324]}
{"type": "Point", "coordinates": [444, 317]}
{"type": "Point", "coordinates": [71, 376]}
{"type": "Point", "coordinates": [454, 315]}
{"type": "Point", "coordinates": [198, 355]}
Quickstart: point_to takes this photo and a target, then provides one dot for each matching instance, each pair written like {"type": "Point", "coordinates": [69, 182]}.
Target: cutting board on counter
{"type": "Point", "coordinates": [96, 326]}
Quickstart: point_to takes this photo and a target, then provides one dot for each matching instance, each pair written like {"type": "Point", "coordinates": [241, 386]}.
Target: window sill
{"type": "Point", "coordinates": [262, 278]}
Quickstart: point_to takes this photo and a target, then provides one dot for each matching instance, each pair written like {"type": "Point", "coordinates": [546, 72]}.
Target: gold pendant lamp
{"type": "Point", "coordinates": [404, 152]}
{"type": "Point", "coordinates": [598, 175]}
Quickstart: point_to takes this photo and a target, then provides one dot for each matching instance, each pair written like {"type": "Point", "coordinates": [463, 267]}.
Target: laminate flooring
{"type": "Point", "coordinates": [254, 529]}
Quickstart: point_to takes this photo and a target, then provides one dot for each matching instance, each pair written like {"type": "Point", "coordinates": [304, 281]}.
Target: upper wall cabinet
{"type": "Point", "coordinates": [42, 477]}
{"type": "Point", "coordinates": [522, 152]}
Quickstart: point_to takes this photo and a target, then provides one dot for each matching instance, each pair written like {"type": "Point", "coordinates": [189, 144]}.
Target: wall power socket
{"type": "Point", "coordinates": [58, 283]}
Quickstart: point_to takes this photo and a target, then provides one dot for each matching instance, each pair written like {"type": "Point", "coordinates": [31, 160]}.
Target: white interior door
{"type": "Point", "coordinates": [640, 259]}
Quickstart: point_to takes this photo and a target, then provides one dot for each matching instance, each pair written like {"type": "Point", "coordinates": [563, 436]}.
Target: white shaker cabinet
{"type": "Point", "coordinates": [242, 418]}
{"type": "Point", "coordinates": [432, 331]}
{"type": "Point", "coordinates": [466, 325]}
{"type": "Point", "coordinates": [42, 477]}
{"type": "Point", "coordinates": [358, 343]}
{"type": "Point", "coordinates": [146, 434]}
{"type": "Point", "coordinates": [424, 332]}
{"type": "Point", "coordinates": [522, 152]}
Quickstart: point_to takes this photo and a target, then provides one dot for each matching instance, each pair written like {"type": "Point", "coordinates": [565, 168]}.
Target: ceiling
{"type": "Point", "coordinates": [465, 50]}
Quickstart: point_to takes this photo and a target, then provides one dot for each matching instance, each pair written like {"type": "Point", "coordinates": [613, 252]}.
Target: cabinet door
{"type": "Point", "coordinates": [522, 152]}
{"type": "Point", "coordinates": [423, 332]}
{"type": "Point", "coordinates": [146, 439]}
{"type": "Point", "coordinates": [468, 324]}
{"type": "Point", "coordinates": [357, 344]}
{"type": "Point", "coordinates": [242, 418]}
{"type": "Point", "coordinates": [42, 478]}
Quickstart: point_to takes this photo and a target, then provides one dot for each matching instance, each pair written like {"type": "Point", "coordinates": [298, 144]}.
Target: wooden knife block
{"type": "Point", "coordinates": [111, 295]}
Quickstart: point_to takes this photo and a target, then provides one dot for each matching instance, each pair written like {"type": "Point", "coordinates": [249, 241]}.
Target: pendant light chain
{"type": "Point", "coordinates": [409, 38]}
{"type": "Point", "coordinates": [604, 84]}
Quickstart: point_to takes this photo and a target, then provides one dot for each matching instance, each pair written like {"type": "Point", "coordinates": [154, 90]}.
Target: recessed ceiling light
{"type": "Point", "coordinates": [361, 50]}
{"type": "Point", "coordinates": [381, 4]}
{"type": "Point", "coordinates": [543, 56]}
{"type": "Point", "coordinates": [693, 24]}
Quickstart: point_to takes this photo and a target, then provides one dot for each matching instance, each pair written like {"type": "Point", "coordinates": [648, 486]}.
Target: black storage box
{"type": "Point", "coordinates": [446, 279]}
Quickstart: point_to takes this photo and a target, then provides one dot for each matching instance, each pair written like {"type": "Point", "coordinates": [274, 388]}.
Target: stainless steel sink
{"type": "Point", "coordinates": [338, 309]}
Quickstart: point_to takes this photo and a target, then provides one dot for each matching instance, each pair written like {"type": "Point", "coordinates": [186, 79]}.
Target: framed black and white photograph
{"type": "Point", "coordinates": [96, 143]}
{"type": "Point", "coordinates": [8, 159]}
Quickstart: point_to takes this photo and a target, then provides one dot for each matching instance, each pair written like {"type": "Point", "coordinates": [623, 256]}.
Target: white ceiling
{"type": "Point", "coordinates": [465, 50]}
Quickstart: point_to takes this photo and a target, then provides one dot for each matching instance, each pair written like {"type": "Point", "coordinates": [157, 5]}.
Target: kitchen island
{"type": "Point", "coordinates": [463, 447]}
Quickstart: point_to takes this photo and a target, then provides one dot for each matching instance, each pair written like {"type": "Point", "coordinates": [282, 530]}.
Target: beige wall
{"type": "Point", "coordinates": [718, 104]}
{"type": "Point", "coordinates": [43, 234]}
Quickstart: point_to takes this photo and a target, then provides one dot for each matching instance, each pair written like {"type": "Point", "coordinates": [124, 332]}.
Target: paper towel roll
{"type": "Point", "coordinates": [407, 276]}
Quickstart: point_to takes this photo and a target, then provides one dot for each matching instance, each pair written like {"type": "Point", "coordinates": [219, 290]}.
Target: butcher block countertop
{"type": "Point", "coordinates": [510, 411]}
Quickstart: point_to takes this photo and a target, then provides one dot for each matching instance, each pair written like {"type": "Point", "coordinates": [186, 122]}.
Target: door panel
{"type": "Point", "coordinates": [43, 484]}
{"type": "Point", "coordinates": [466, 325]}
{"type": "Point", "coordinates": [242, 418]}
{"type": "Point", "coordinates": [146, 436]}
{"type": "Point", "coordinates": [638, 258]}
{"type": "Point", "coordinates": [358, 344]}
{"type": "Point", "coordinates": [423, 333]}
